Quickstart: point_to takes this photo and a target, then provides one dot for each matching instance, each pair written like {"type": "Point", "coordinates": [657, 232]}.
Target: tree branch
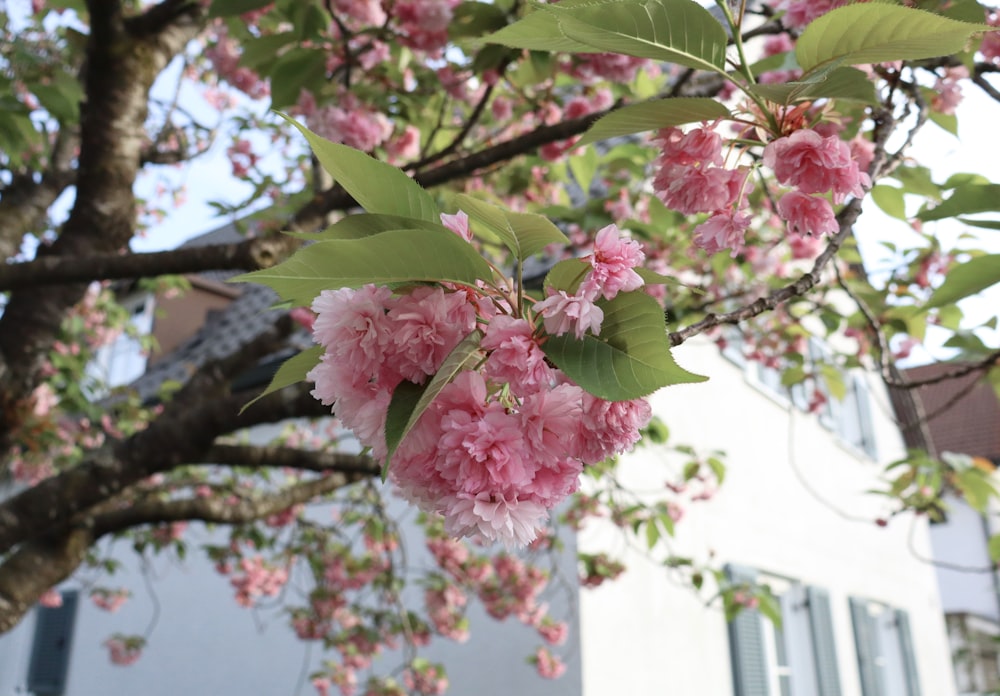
{"type": "Point", "coordinates": [35, 567]}
{"type": "Point", "coordinates": [291, 458]}
{"type": "Point", "coordinates": [120, 71]}
{"type": "Point", "coordinates": [247, 255]}
{"type": "Point", "coordinates": [217, 510]}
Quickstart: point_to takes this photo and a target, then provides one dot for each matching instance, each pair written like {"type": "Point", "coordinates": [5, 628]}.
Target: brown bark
{"type": "Point", "coordinates": [123, 59]}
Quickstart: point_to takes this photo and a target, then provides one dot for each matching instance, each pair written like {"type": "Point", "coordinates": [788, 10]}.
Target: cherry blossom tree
{"type": "Point", "coordinates": [676, 169]}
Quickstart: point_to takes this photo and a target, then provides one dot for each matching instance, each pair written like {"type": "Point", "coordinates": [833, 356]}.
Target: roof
{"type": "Point", "coordinates": [963, 413]}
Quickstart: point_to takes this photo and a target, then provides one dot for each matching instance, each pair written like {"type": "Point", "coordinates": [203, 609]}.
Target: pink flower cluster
{"type": "Point", "coordinates": [347, 122]}
{"type": "Point", "coordinates": [501, 444]}
{"type": "Point", "coordinates": [813, 164]}
{"type": "Point", "coordinates": [225, 58]}
{"type": "Point", "coordinates": [257, 579]}
{"type": "Point", "coordinates": [613, 265]}
{"type": "Point", "coordinates": [124, 651]}
{"type": "Point", "coordinates": [109, 600]}
{"type": "Point", "coordinates": [692, 179]}
{"type": "Point", "coordinates": [799, 13]}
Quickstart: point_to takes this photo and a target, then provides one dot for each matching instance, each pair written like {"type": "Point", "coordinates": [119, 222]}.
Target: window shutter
{"type": "Point", "coordinates": [746, 643]}
{"type": "Point", "coordinates": [824, 646]}
{"type": "Point", "coordinates": [906, 648]}
{"type": "Point", "coordinates": [866, 642]}
{"type": "Point", "coordinates": [49, 665]}
{"type": "Point", "coordinates": [864, 396]}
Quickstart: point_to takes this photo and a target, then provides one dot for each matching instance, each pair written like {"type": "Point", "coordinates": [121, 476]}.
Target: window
{"type": "Point", "coordinates": [797, 658]}
{"type": "Point", "coordinates": [124, 360]}
{"type": "Point", "coordinates": [886, 662]}
{"type": "Point", "coordinates": [49, 665]}
{"type": "Point", "coordinates": [975, 653]}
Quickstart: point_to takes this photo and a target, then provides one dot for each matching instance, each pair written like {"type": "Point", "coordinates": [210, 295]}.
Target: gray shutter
{"type": "Point", "coordinates": [906, 648]}
{"type": "Point", "coordinates": [824, 645]}
{"type": "Point", "coordinates": [746, 643]}
{"type": "Point", "coordinates": [865, 417]}
{"type": "Point", "coordinates": [49, 665]}
{"type": "Point", "coordinates": [866, 642]}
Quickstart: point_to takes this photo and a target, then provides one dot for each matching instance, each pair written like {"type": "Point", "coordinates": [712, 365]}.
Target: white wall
{"type": "Point", "coordinates": [642, 634]}
{"type": "Point", "coordinates": [967, 584]}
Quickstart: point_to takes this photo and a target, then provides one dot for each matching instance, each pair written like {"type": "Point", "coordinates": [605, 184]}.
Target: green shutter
{"type": "Point", "coordinates": [824, 645]}
{"type": "Point", "coordinates": [49, 664]}
{"type": "Point", "coordinates": [867, 644]}
{"type": "Point", "coordinates": [906, 648]}
{"type": "Point", "coordinates": [746, 643]}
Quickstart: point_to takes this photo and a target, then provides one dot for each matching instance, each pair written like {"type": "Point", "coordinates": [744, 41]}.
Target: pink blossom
{"type": "Point", "coordinates": [611, 426]}
{"type": "Point", "coordinates": [804, 247]}
{"type": "Point", "coordinates": [109, 600]}
{"type": "Point", "coordinates": [815, 164]}
{"type": "Point", "coordinates": [722, 231]}
{"type": "Point", "coordinates": [424, 326]}
{"type": "Point", "coordinates": [352, 324]}
{"type": "Point", "coordinates": [322, 686]}
{"type": "Point", "coordinates": [553, 633]}
{"type": "Point", "coordinates": [494, 518]}
{"type": "Point", "coordinates": [405, 146]}
{"type": "Point", "coordinates": [352, 124]}
{"type": "Point", "coordinates": [367, 12]}
{"type": "Point", "coordinates": [124, 651]}
{"type": "Point", "coordinates": [563, 313]}
{"type": "Point", "coordinates": [515, 356]}
{"type": "Point", "coordinates": [691, 190]}
{"type": "Point", "coordinates": [807, 215]}
{"type": "Point", "coordinates": [990, 46]}
{"type": "Point", "coordinates": [51, 598]}
{"type": "Point", "coordinates": [484, 450]}
{"type": "Point", "coordinates": [43, 400]}
{"type": "Point", "coordinates": [458, 223]}
{"type": "Point", "coordinates": [698, 147]}
{"type": "Point", "coordinates": [799, 13]}
{"type": "Point", "coordinates": [549, 666]}
{"type": "Point", "coordinates": [613, 261]}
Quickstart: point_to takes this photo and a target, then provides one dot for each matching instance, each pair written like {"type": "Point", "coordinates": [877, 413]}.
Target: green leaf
{"type": "Point", "coordinates": [402, 416]}
{"type": "Point", "coordinates": [890, 200]}
{"type": "Point", "coordinates": [965, 200]}
{"type": "Point", "coordinates": [848, 84]}
{"type": "Point", "coordinates": [975, 487]}
{"type": "Point", "coordinates": [833, 381]}
{"type": "Point", "coordinates": [673, 31]}
{"type": "Point", "coordinates": [653, 115]}
{"type": "Point", "coordinates": [524, 234]}
{"type": "Point", "coordinates": [376, 186]}
{"type": "Point", "coordinates": [567, 275]}
{"type": "Point", "coordinates": [292, 371]}
{"type": "Point", "coordinates": [584, 167]}
{"type": "Point", "coordinates": [947, 122]}
{"type": "Point", "coordinates": [404, 401]}
{"type": "Point", "coordinates": [260, 51]}
{"type": "Point", "coordinates": [475, 19]}
{"type": "Point", "coordinates": [984, 224]}
{"type": "Point", "coordinates": [225, 8]}
{"type": "Point", "coordinates": [294, 70]}
{"type": "Point", "coordinates": [918, 180]}
{"type": "Point", "coordinates": [631, 357]}
{"type": "Point", "coordinates": [966, 279]}
{"type": "Point", "coordinates": [539, 31]}
{"type": "Point", "coordinates": [994, 547]}
{"type": "Point", "coordinates": [880, 32]}
{"type": "Point", "coordinates": [365, 225]}
{"type": "Point", "coordinates": [61, 96]}
{"type": "Point", "coordinates": [397, 256]}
